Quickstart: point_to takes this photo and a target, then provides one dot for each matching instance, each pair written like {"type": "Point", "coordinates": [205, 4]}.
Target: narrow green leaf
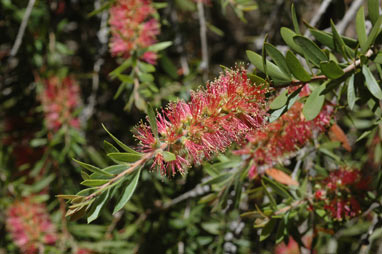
{"type": "Point", "coordinates": [312, 51]}
{"type": "Point", "coordinates": [373, 34]}
{"type": "Point", "coordinates": [331, 69]}
{"type": "Point", "coordinates": [264, 57]}
{"type": "Point", "coordinates": [125, 157]}
{"type": "Point", "coordinates": [371, 83]}
{"type": "Point", "coordinates": [97, 206]}
{"type": "Point", "coordinates": [145, 67]}
{"type": "Point", "coordinates": [272, 69]}
{"type": "Point", "coordinates": [122, 145]}
{"type": "Point", "coordinates": [115, 170]}
{"type": "Point", "coordinates": [314, 103]}
{"type": "Point", "coordinates": [296, 67]}
{"type": "Point", "coordinates": [363, 135]}
{"type": "Point", "coordinates": [69, 197]}
{"type": "Point", "coordinates": [277, 188]}
{"type": "Point", "coordinates": [84, 175]}
{"type": "Point", "coordinates": [373, 8]}
{"type": "Point", "coordinates": [287, 36]}
{"type": "Point", "coordinates": [92, 168]}
{"type": "Point", "coordinates": [280, 100]}
{"type": "Point", "coordinates": [128, 191]}
{"type": "Point", "coordinates": [168, 156]}
{"type": "Point", "coordinates": [126, 64]}
{"type": "Point", "coordinates": [294, 20]}
{"type": "Point", "coordinates": [361, 29]}
{"type": "Point", "coordinates": [278, 58]}
{"type": "Point", "coordinates": [109, 148]}
{"type": "Point", "coordinates": [326, 39]}
{"type": "Point", "coordinates": [93, 183]}
{"type": "Point", "coordinates": [280, 232]}
{"type": "Point", "coordinates": [378, 58]}
{"type": "Point", "coordinates": [256, 79]}
{"type": "Point", "coordinates": [351, 92]}
{"type": "Point", "coordinates": [218, 179]}
{"type": "Point", "coordinates": [159, 46]}
{"type": "Point", "coordinates": [152, 121]}
{"type": "Point", "coordinates": [267, 230]}
{"type": "Point", "coordinates": [338, 42]}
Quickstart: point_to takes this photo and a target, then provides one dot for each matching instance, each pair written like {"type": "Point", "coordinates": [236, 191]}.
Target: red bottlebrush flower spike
{"type": "Point", "coordinates": [59, 99]}
{"type": "Point", "coordinates": [29, 225]}
{"type": "Point", "coordinates": [133, 27]}
{"type": "Point", "coordinates": [283, 137]}
{"type": "Point", "coordinates": [222, 113]}
{"type": "Point", "coordinates": [341, 193]}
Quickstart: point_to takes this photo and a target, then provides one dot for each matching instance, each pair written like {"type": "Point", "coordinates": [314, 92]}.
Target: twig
{"type": "Point", "coordinates": [313, 22]}
{"type": "Point", "coordinates": [20, 33]}
{"type": "Point", "coordinates": [203, 38]}
{"type": "Point", "coordinates": [197, 191]}
{"type": "Point", "coordinates": [349, 16]}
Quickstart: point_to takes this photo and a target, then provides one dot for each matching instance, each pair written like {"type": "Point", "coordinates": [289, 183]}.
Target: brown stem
{"type": "Point", "coordinates": [348, 69]}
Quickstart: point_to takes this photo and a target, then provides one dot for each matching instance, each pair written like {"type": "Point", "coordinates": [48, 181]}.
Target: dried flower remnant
{"type": "Point", "coordinates": [222, 113]}
{"type": "Point", "coordinates": [133, 27]}
{"type": "Point", "coordinates": [341, 192]}
{"type": "Point", "coordinates": [283, 138]}
{"type": "Point", "coordinates": [29, 225]}
{"type": "Point", "coordinates": [60, 99]}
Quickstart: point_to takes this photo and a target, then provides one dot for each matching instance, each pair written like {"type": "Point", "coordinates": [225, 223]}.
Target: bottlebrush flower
{"type": "Point", "coordinates": [133, 27]}
{"type": "Point", "coordinates": [29, 225]}
{"type": "Point", "coordinates": [283, 137]}
{"type": "Point", "coordinates": [341, 192]}
{"type": "Point", "coordinates": [59, 99]}
{"type": "Point", "coordinates": [222, 113]}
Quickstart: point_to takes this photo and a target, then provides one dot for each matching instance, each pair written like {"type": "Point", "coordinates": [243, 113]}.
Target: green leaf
{"type": "Point", "coordinates": [92, 168]}
{"type": "Point", "coordinates": [326, 39]}
{"type": "Point", "coordinates": [363, 135]}
{"type": "Point", "coordinates": [145, 67]}
{"type": "Point", "coordinates": [280, 232]}
{"type": "Point", "coordinates": [378, 58]}
{"type": "Point", "coordinates": [373, 34]}
{"type": "Point", "coordinates": [97, 206]}
{"type": "Point", "coordinates": [361, 29]}
{"type": "Point", "coordinates": [373, 8]}
{"type": "Point", "coordinates": [145, 77]}
{"type": "Point", "coordinates": [371, 83]}
{"type": "Point", "coordinates": [126, 64]}
{"type": "Point", "coordinates": [218, 179]}
{"type": "Point", "coordinates": [122, 145]}
{"type": "Point", "coordinates": [128, 191]}
{"type": "Point", "coordinates": [152, 121]}
{"type": "Point", "coordinates": [272, 69]}
{"type": "Point", "coordinates": [267, 230]}
{"type": "Point", "coordinates": [109, 148]}
{"type": "Point", "coordinates": [159, 46]}
{"type": "Point", "coordinates": [168, 156]}
{"type": "Point", "coordinates": [257, 79]}
{"type": "Point", "coordinates": [296, 67]}
{"type": "Point", "coordinates": [351, 92]}
{"type": "Point", "coordinates": [287, 36]}
{"type": "Point", "coordinates": [280, 100]}
{"type": "Point", "coordinates": [125, 157]}
{"type": "Point", "coordinates": [312, 51]}
{"type": "Point", "coordinates": [84, 175]}
{"type": "Point", "coordinates": [93, 183]}
{"type": "Point", "coordinates": [331, 69]}
{"type": "Point", "coordinates": [69, 197]}
{"type": "Point", "coordinates": [314, 103]}
{"type": "Point", "coordinates": [338, 42]}
{"type": "Point", "coordinates": [278, 58]}
{"type": "Point", "coordinates": [294, 20]}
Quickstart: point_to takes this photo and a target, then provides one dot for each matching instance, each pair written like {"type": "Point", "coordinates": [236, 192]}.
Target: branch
{"type": "Point", "coordinates": [348, 69]}
{"type": "Point", "coordinates": [20, 33]}
{"type": "Point", "coordinates": [203, 38]}
{"type": "Point", "coordinates": [349, 16]}
{"type": "Point", "coordinates": [313, 22]}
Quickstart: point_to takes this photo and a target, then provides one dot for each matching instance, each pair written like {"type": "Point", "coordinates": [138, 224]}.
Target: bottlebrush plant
{"type": "Point", "coordinates": [283, 111]}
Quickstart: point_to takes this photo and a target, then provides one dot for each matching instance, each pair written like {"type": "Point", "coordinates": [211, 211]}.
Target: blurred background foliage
{"type": "Point", "coordinates": [166, 215]}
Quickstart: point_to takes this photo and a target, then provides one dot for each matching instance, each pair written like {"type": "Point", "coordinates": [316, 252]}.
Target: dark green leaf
{"type": "Point", "coordinates": [280, 100]}
{"type": "Point", "coordinates": [351, 92]}
{"type": "Point", "coordinates": [312, 51]}
{"type": "Point", "coordinates": [294, 20]}
{"type": "Point", "coordinates": [327, 39]}
{"type": "Point", "coordinates": [122, 145]}
{"type": "Point", "coordinates": [152, 121]}
{"type": "Point", "coordinates": [361, 29]}
{"type": "Point", "coordinates": [256, 79]}
{"type": "Point", "coordinates": [338, 42]}
{"type": "Point", "coordinates": [128, 191]}
{"type": "Point", "coordinates": [373, 8]}
{"type": "Point", "coordinates": [272, 69]}
{"type": "Point", "coordinates": [280, 232]}
{"type": "Point", "coordinates": [371, 83]}
{"type": "Point", "coordinates": [331, 69]}
{"type": "Point", "coordinates": [314, 103]}
{"type": "Point", "coordinates": [378, 58]}
{"type": "Point", "coordinates": [296, 67]}
{"type": "Point", "coordinates": [97, 206]}
{"type": "Point", "coordinates": [287, 36]}
{"type": "Point", "coordinates": [278, 58]}
{"type": "Point", "coordinates": [92, 168]}
{"type": "Point", "coordinates": [268, 229]}
{"type": "Point", "coordinates": [125, 157]}
{"type": "Point", "coordinates": [91, 183]}
{"type": "Point", "coordinates": [168, 156]}
{"type": "Point", "coordinates": [109, 148]}
{"type": "Point", "coordinates": [126, 64]}
{"type": "Point", "coordinates": [363, 135]}
{"type": "Point", "coordinates": [373, 34]}
{"type": "Point", "coordinates": [218, 179]}
{"type": "Point", "coordinates": [84, 175]}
